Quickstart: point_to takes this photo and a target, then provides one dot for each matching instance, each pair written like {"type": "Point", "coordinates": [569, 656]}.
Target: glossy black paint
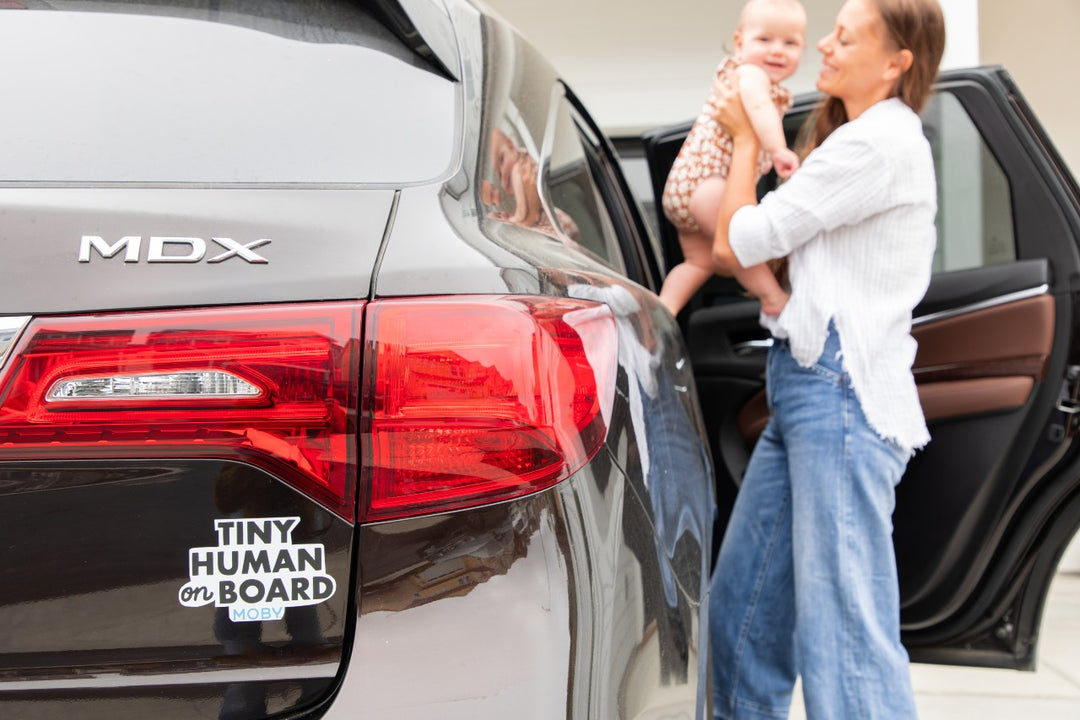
{"type": "Point", "coordinates": [585, 600]}
{"type": "Point", "coordinates": [92, 558]}
{"type": "Point", "coordinates": [323, 246]}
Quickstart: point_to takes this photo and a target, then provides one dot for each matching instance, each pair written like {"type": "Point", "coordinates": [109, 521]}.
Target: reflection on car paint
{"type": "Point", "coordinates": [510, 190]}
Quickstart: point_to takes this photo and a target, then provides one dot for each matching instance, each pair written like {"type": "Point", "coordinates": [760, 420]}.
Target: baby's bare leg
{"type": "Point", "coordinates": [705, 205]}
{"type": "Point", "coordinates": [688, 276]}
{"type": "Point", "coordinates": [758, 279]}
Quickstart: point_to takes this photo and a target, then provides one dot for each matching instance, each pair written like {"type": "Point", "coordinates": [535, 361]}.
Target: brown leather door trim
{"type": "Point", "coordinates": [1011, 339]}
{"type": "Point", "coordinates": [941, 400]}
{"type": "Point", "coordinates": [987, 360]}
{"type": "Point", "coordinates": [1033, 366]}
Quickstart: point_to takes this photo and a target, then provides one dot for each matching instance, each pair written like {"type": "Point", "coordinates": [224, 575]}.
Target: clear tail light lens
{"type": "Point", "coordinates": [275, 386]}
{"type": "Point", "coordinates": [201, 385]}
{"type": "Point", "coordinates": [472, 401]}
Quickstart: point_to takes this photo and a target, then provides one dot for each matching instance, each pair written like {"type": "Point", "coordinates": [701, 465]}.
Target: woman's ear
{"type": "Point", "coordinates": [907, 59]}
{"type": "Point", "coordinates": [899, 64]}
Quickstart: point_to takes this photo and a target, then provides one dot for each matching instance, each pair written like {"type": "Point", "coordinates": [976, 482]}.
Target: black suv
{"type": "Point", "coordinates": [333, 381]}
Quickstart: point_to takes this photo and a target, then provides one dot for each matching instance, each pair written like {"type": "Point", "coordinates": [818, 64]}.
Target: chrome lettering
{"type": "Point", "coordinates": [196, 249]}
{"type": "Point", "coordinates": [234, 248]}
{"type": "Point", "coordinates": [133, 243]}
{"type": "Point", "coordinates": [161, 249]}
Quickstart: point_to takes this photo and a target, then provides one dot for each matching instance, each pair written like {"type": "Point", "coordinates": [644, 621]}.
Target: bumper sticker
{"type": "Point", "coordinates": [256, 571]}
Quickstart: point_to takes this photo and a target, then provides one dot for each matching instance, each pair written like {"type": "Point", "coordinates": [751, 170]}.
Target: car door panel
{"type": "Point", "coordinates": [986, 357]}
{"type": "Point", "coordinates": [1014, 336]}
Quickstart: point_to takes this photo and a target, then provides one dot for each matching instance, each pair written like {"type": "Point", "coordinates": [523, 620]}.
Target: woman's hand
{"type": "Point", "coordinates": [728, 109]}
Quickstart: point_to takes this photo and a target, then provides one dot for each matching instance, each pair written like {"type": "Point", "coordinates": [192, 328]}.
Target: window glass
{"type": "Point", "coordinates": [573, 195]}
{"type": "Point", "coordinates": [974, 220]}
{"type": "Point", "coordinates": [128, 97]}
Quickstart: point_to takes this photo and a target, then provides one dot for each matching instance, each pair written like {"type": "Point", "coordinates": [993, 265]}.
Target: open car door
{"type": "Point", "coordinates": [986, 509]}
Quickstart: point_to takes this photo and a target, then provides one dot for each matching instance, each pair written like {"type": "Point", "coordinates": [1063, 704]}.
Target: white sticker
{"type": "Point", "coordinates": [256, 571]}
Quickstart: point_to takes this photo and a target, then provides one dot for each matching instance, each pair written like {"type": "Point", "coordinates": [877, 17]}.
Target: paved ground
{"type": "Point", "coordinates": [1050, 693]}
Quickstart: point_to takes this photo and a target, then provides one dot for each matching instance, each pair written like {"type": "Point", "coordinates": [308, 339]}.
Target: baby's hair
{"type": "Point", "coordinates": [783, 4]}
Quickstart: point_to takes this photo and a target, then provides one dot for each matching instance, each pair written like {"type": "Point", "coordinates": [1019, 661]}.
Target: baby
{"type": "Point", "coordinates": [768, 45]}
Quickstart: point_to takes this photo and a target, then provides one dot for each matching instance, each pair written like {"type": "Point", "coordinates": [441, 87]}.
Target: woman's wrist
{"type": "Point", "coordinates": [745, 138]}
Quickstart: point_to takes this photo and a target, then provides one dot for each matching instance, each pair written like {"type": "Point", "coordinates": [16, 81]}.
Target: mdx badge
{"type": "Point", "coordinates": [171, 249]}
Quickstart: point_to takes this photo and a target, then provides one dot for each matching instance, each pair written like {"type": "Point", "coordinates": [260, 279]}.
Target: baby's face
{"type": "Point", "coordinates": [773, 39]}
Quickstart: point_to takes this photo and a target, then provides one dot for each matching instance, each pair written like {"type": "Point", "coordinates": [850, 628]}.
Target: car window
{"type": "Point", "coordinates": [573, 193]}
{"type": "Point", "coordinates": [974, 220]}
{"type": "Point", "coordinates": [186, 94]}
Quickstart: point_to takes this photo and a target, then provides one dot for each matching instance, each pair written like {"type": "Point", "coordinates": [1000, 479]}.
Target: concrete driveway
{"type": "Point", "coordinates": [1050, 693]}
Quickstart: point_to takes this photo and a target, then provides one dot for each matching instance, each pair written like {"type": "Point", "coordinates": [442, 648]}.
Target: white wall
{"type": "Point", "coordinates": [1038, 42]}
{"type": "Point", "coordinates": [639, 63]}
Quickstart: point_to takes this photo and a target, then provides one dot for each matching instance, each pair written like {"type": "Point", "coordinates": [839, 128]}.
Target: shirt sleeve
{"type": "Point", "coordinates": [843, 181]}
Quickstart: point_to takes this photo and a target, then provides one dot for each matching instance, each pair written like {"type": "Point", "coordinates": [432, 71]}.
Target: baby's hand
{"type": "Point", "coordinates": [786, 162]}
{"type": "Point", "coordinates": [773, 304]}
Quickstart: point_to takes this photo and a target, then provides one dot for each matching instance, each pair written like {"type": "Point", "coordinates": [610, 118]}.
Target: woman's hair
{"type": "Point", "coordinates": [915, 25]}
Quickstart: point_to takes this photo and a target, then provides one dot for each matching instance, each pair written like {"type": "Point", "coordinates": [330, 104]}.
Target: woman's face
{"type": "Point", "coordinates": [858, 66]}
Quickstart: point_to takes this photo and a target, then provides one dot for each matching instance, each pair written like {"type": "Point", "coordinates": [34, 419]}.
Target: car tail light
{"type": "Point", "coordinates": [466, 401]}
{"type": "Point", "coordinates": [275, 386]}
{"type": "Point", "coordinates": [477, 400]}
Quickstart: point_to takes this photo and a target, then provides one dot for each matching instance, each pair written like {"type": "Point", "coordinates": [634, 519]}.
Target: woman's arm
{"type": "Point", "coordinates": [741, 187]}
{"type": "Point", "coordinates": [843, 181]}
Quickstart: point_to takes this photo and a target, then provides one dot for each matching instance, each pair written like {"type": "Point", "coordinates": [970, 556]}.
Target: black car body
{"type": "Point", "coordinates": [333, 382]}
{"type": "Point", "coordinates": [299, 417]}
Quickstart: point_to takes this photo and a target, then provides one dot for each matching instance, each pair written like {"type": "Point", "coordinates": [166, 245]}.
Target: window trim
{"type": "Point", "coordinates": [639, 247]}
{"type": "Point", "coordinates": [555, 108]}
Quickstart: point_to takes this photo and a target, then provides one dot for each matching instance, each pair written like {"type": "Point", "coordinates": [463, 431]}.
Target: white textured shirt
{"type": "Point", "coordinates": [857, 224]}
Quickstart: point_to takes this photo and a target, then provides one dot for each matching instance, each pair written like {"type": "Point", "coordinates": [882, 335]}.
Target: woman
{"type": "Point", "coordinates": [806, 582]}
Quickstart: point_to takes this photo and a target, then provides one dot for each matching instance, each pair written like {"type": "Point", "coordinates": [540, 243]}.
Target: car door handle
{"type": "Point", "coordinates": [751, 347]}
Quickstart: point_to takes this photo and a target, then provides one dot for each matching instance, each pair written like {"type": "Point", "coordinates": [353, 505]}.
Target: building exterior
{"type": "Point", "coordinates": [638, 64]}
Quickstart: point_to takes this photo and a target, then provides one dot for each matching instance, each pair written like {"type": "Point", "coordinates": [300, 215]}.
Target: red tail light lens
{"type": "Point", "coordinates": [275, 386]}
{"type": "Point", "coordinates": [472, 401]}
{"type": "Point", "coordinates": [467, 401]}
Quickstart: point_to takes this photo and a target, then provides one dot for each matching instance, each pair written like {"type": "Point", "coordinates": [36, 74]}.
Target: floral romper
{"type": "Point", "coordinates": [707, 152]}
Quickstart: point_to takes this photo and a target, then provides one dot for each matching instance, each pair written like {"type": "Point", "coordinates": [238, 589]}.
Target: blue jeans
{"type": "Point", "coordinates": [806, 582]}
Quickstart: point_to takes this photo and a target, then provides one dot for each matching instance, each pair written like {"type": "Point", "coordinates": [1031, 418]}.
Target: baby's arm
{"type": "Point", "coordinates": [754, 89]}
